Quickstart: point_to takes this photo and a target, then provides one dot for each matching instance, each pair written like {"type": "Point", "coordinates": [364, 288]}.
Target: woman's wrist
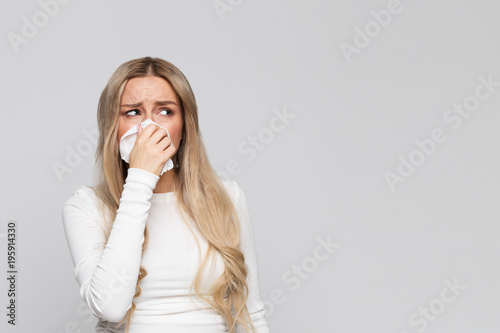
{"type": "Point", "coordinates": [149, 178]}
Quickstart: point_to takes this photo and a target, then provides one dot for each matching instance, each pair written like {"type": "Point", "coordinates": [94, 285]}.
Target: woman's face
{"type": "Point", "coordinates": [150, 97]}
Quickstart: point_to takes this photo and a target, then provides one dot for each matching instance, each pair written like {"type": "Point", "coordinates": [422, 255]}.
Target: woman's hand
{"type": "Point", "coordinates": [152, 149]}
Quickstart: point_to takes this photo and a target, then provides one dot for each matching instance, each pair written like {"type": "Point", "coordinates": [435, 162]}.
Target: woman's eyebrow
{"type": "Point", "coordinates": [132, 105]}
{"type": "Point", "coordinates": [140, 103]}
{"type": "Point", "coordinates": [165, 103]}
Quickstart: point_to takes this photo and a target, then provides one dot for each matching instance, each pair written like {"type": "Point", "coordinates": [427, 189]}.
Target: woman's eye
{"type": "Point", "coordinates": [127, 113]}
{"type": "Point", "coordinates": [167, 111]}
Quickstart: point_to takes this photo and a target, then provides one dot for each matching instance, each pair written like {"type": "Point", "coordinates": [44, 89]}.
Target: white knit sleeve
{"type": "Point", "coordinates": [108, 274]}
{"type": "Point", "coordinates": [254, 303]}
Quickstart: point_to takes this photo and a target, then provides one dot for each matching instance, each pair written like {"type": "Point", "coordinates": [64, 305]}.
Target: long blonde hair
{"type": "Point", "coordinates": [198, 190]}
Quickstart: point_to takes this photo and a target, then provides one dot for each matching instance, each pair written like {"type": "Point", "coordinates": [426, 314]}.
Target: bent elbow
{"type": "Point", "coordinates": [112, 315]}
{"type": "Point", "coordinates": [102, 306]}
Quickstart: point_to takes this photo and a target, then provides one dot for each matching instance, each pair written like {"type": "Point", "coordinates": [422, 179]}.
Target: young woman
{"type": "Point", "coordinates": [143, 239]}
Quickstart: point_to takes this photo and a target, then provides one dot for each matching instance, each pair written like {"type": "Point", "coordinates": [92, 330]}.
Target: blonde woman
{"type": "Point", "coordinates": [142, 239]}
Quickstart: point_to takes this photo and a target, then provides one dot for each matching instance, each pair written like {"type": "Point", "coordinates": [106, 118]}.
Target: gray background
{"type": "Point", "coordinates": [320, 176]}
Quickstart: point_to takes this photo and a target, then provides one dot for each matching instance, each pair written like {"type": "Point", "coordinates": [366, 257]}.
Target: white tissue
{"type": "Point", "coordinates": [128, 140]}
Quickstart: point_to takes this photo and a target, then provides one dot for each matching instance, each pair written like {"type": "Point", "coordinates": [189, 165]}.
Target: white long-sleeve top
{"type": "Point", "coordinates": [107, 275]}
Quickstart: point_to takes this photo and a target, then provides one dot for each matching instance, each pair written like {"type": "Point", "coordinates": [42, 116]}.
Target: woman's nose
{"type": "Point", "coordinates": [147, 116]}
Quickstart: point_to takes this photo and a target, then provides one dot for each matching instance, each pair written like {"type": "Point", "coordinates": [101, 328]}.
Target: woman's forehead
{"type": "Point", "coordinates": [148, 88]}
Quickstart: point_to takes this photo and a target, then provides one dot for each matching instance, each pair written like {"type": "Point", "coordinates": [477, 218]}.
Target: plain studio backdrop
{"type": "Point", "coordinates": [364, 134]}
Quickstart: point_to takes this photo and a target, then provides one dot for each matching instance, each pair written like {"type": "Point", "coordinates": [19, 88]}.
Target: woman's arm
{"type": "Point", "coordinates": [254, 303]}
{"type": "Point", "coordinates": [108, 275]}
